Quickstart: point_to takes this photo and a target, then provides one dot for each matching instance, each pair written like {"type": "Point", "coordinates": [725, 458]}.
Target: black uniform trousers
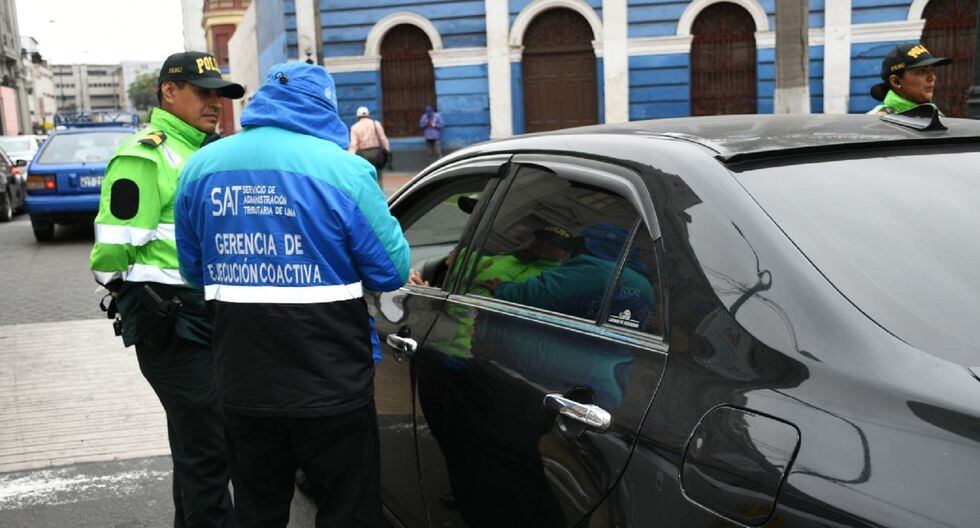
{"type": "Point", "coordinates": [182, 375]}
{"type": "Point", "coordinates": [339, 454]}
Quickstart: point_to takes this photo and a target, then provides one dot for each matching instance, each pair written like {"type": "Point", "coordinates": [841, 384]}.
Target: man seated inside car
{"type": "Point", "coordinates": [575, 288]}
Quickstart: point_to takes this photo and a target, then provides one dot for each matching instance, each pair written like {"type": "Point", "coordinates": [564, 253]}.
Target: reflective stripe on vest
{"type": "Point", "coordinates": [150, 273]}
{"type": "Point", "coordinates": [135, 236]}
{"type": "Point", "coordinates": [283, 294]}
{"type": "Point", "coordinates": [142, 273]}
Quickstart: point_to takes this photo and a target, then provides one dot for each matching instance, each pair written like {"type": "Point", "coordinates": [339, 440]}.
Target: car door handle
{"type": "Point", "coordinates": [405, 345]}
{"type": "Point", "coordinates": [591, 415]}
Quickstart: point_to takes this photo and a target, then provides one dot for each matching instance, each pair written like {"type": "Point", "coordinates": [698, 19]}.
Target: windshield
{"type": "Point", "coordinates": [91, 147]}
{"type": "Point", "coordinates": [899, 235]}
{"type": "Point", "coordinates": [11, 144]}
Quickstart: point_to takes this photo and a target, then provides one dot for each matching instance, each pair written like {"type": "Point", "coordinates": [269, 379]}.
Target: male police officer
{"type": "Point", "coordinates": [135, 258]}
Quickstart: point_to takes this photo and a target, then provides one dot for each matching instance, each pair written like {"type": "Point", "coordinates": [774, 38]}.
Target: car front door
{"type": "Point", "coordinates": [434, 214]}
{"type": "Point", "coordinates": [540, 367]}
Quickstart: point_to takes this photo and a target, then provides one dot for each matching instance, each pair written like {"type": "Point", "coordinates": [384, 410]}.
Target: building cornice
{"type": "Point", "coordinates": [659, 45]}
{"type": "Point", "coordinates": [355, 63]}
{"type": "Point", "coordinates": [449, 57]}
{"type": "Point", "coordinates": [223, 18]}
{"type": "Point", "coordinates": [767, 39]}
{"type": "Point", "coordinates": [887, 31]}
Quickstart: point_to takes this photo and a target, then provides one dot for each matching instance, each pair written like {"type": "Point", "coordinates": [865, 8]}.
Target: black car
{"type": "Point", "coordinates": [727, 321]}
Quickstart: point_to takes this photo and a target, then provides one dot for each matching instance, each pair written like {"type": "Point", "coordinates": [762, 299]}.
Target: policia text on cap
{"type": "Point", "coordinates": [135, 258]}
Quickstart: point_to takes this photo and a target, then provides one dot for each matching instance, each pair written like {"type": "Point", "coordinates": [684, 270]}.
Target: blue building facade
{"type": "Point", "coordinates": [642, 52]}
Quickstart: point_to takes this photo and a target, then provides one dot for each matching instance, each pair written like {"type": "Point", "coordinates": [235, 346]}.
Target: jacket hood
{"type": "Point", "coordinates": [299, 97]}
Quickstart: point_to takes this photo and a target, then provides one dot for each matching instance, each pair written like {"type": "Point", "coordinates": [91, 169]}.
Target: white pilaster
{"type": "Point", "coordinates": [498, 68]}
{"type": "Point", "coordinates": [616, 71]}
{"type": "Point", "coordinates": [306, 30]}
{"type": "Point", "coordinates": [837, 56]}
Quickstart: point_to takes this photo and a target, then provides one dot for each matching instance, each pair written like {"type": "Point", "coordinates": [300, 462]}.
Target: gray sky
{"type": "Point", "coordinates": [102, 31]}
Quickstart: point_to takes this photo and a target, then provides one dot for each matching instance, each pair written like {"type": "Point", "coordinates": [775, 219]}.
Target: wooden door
{"type": "Point", "coordinates": [559, 72]}
{"type": "Point", "coordinates": [950, 31]}
{"type": "Point", "coordinates": [723, 77]}
{"type": "Point", "coordinates": [407, 80]}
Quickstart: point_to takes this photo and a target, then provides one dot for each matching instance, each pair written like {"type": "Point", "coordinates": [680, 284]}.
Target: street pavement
{"type": "Point", "coordinates": [83, 439]}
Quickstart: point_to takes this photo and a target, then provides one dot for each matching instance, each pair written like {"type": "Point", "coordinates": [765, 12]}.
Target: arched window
{"type": "Point", "coordinates": [407, 80]}
{"type": "Point", "coordinates": [723, 78]}
{"type": "Point", "coordinates": [559, 72]}
{"type": "Point", "coordinates": [950, 31]}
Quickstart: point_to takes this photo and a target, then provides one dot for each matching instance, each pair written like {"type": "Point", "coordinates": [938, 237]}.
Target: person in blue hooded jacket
{"type": "Point", "coordinates": [284, 230]}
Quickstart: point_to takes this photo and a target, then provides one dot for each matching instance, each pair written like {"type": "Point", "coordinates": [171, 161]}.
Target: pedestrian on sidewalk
{"type": "Point", "coordinates": [432, 124]}
{"type": "Point", "coordinates": [908, 79]}
{"type": "Point", "coordinates": [135, 258]}
{"type": "Point", "coordinates": [284, 229]}
{"type": "Point", "coordinates": [368, 140]}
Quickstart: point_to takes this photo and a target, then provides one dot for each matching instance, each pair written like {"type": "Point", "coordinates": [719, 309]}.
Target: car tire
{"type": "Point", "coordinates": [43, 231]}
{"type": "Point", "coordinates": [6, 207]}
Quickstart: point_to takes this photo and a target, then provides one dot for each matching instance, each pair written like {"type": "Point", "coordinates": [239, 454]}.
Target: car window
{"type": "Point", "coordinates": [434, 224]}
{"type": "Point", "coordinates": [94, 147]}
{"type": "Point", "coordinates": [15, 144]}
{"type": "Point", "coordinates": [556, 244]}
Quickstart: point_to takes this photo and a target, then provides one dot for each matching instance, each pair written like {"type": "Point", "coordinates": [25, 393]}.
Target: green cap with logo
{"type": "Point", "coordinates": [201, 70]}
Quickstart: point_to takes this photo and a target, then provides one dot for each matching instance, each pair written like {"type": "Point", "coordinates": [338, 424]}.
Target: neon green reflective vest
{"type": "Point", "coordinates": [134, 229]}
{"type": "Point", "coordinates": [507, 268]}
{"type": "Point", "coordinates": [893, 104]}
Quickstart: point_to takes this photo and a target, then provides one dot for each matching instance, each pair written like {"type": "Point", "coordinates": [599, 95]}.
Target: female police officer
{"type": "Point", "coordinates": [908, 79]}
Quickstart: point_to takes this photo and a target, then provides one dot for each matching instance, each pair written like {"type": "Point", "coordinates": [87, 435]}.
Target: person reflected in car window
{"type": "Point", "coordinates": [550, 247]}
{"type": "Point", "coordinates": [573, 288]}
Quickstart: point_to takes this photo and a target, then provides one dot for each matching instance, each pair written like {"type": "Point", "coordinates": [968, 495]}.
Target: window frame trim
{"type": "Point", "coordinates": [582, 326]}
{"type": "Point", "coordinates": [460, 169]}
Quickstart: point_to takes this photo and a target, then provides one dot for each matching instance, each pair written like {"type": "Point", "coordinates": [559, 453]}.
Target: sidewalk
{"type": "Point", "coordinates": [70, 392]}
{"type": "Point", "coordinates": [392, 181]}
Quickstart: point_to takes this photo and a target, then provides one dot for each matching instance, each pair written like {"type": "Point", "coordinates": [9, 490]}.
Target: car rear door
{"type": "Point", "coordinates": [434, 224]}
{"type": "Point", "coordinates": [535, 378]}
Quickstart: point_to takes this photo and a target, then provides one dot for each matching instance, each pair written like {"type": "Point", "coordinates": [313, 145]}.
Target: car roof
{"type": "Point", "coordinates": [737, 138]}
{"type": "Point", "coordinates": [80, 130]}
{"type": "Point", "coordinates": [734, 137]}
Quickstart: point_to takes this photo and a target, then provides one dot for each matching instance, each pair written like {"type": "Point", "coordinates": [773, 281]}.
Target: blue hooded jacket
{"type": "Point", "coordinates": [284, 229]}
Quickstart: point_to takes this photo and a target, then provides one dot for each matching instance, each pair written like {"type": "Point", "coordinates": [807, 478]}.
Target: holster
{"type": "Point", "coordinates": [157, 319]}
{"type": "Point", "coordinates": [112, 312]}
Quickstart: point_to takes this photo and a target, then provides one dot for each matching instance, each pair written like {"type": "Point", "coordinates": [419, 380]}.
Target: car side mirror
{"type": "Point", "coordinates": [21, 163]}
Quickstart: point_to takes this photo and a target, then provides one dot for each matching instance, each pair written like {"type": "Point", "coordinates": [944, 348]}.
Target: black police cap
{"type": "Point", "coordinates": [199, 69]}
{"type": "Point", "coordinates": [908, 57]}
{"type": "Point", "coordinates": [903, 58]}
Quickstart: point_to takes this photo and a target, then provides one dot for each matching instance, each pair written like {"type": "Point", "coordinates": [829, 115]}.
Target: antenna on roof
{"type": "Point", "coordinates": [924, 118]}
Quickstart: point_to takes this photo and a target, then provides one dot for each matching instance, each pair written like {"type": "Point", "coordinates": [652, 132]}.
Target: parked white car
{"type": "Point", "coordinates": [21, 147]}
